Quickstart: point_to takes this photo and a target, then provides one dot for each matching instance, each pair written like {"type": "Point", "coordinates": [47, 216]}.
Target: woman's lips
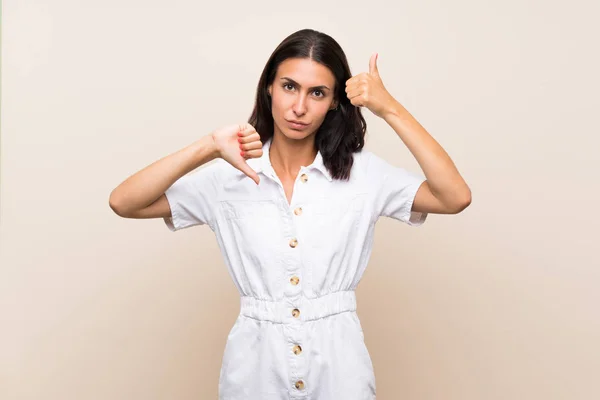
{"type": "Point", "coordinates": [294, 125]}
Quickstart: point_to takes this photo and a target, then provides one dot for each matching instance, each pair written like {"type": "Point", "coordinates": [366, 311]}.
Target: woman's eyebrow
{"type": "Point", "coordinates": [312, 88]}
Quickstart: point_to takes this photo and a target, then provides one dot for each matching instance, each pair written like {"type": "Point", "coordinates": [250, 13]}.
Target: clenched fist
{"type": "Point", "coordinates": [238, 143]}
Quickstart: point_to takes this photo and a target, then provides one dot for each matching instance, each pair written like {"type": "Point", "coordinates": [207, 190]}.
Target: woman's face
{"type": "Point", "coordinates": [302, 91]}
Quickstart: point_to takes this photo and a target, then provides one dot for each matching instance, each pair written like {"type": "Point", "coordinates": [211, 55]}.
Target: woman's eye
{"type": "Point", "coordinates": [289, 86]}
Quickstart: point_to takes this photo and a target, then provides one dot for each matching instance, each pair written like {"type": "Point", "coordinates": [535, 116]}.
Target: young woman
{"type": "Point", "coordinates": [293, 200]}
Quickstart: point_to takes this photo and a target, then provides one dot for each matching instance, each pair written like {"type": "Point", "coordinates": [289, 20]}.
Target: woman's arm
{"type": "Point", "coordinates": [142, 194]}
{"type": "Point", "coordinates": [444, 191]}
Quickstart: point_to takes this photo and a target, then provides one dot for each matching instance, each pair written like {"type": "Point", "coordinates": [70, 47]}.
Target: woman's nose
{"type": "Point", "coordinates": [300, 105]}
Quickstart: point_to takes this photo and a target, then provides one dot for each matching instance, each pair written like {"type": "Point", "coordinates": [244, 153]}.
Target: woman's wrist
{"type": "Point", "coordinates": [205, 150]}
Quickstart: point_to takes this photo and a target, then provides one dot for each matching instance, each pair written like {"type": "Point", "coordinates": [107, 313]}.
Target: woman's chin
{"type": "Point", "coordinates": [295, 134]}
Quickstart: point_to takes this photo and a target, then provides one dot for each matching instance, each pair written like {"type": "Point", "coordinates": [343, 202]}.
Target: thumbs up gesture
{"type": "Point", "coordinates": [367, 90]}
{"type": "Point", "coordinates": [238, 143]}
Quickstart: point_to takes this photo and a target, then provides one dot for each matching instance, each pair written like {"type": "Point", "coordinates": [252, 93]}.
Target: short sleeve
{"type": "Point", "coordinates": [396, 189]}
{"type": "Point", "coordinates": [191, 199]}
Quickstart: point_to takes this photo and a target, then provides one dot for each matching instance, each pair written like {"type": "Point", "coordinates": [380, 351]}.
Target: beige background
{"type": "Point", "coordinates": [498, 302]}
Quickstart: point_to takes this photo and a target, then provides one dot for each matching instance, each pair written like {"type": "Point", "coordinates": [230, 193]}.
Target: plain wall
{"type": "Point", "coordinates": [498, 302]}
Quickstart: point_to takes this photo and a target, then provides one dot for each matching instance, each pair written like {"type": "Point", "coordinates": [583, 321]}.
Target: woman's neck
{"type": "Point", "coordinates": [288, 155]}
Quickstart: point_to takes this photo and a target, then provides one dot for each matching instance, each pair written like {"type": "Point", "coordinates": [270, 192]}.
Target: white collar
{"type": "Point", "coordinates": [263, 164]}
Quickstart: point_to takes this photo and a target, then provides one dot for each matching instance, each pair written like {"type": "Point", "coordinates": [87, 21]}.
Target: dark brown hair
{"type": "Point", "coordinates": [343, 130]}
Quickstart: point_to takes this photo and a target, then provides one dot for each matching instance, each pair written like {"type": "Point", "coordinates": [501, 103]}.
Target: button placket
{"type": "Point", "coordinates": [297, 364]}
{"type": "Point", "coordinates": [294, 280]}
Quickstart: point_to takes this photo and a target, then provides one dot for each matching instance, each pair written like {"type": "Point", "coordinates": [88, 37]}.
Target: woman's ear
{"type": "Point", "coordinates": [269, 90]}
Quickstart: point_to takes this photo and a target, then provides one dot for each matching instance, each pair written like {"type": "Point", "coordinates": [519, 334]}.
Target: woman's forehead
{"type": "Point", "coordinates": [306, 72]}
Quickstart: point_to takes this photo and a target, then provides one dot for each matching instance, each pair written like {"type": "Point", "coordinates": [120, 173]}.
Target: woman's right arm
{"type": "Point", "coordinates": [142, 194]}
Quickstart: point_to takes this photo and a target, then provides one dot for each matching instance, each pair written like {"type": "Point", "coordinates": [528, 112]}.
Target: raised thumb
{"type": "Point", "coordinates": [373, 70]}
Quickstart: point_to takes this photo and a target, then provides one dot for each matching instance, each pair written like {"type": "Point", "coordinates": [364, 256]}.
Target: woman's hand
{"type": "Point", "coordinates": [238, 143]}
{"type": "Point", "coordinates": [367, 90]}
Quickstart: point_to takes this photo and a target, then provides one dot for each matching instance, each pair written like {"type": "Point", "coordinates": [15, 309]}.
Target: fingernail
{"type": "Point", "coordinates": [240, 140]}
{"type": "Point", "coordinates": [242, 153]}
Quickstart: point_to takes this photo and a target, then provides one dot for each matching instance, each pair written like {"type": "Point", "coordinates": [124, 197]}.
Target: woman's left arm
{"type": "Point", "coordinates": [444, 191]}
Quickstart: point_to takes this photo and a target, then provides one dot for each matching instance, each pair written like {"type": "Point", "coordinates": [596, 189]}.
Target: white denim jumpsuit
{"type": "Point", "coordinates": [296, 267]}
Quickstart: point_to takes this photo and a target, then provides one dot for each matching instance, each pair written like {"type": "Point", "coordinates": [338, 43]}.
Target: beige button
{"type": "Point", "coordinates": [299, 385]}
{"type": "Point", "coordinates": [297, 349]}
{"type": "Point", "coordinates": [298, 211]}
{"type": "Point", "coordinates": [296, 313]}
{"type": "Point", "coordinates": [303, 177]}
{"type": "Point", "coordinates": [294, 242]}
{"type": "Point", "coordinates": [294, 280]}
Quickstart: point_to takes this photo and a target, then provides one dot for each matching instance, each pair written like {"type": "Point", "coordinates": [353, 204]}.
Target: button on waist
{"type": "Point", "coordinates": [303, 309]}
